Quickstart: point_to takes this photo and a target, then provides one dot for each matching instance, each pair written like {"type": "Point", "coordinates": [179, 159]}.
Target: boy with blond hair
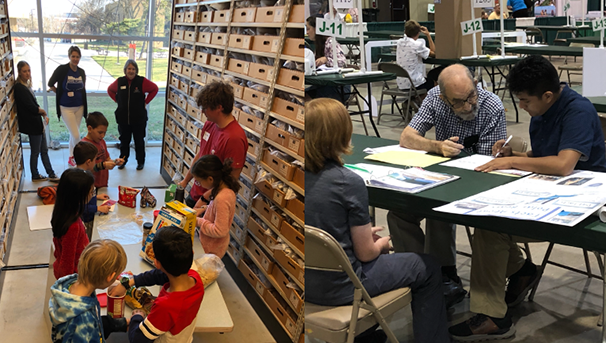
{"type": "Point", "coordinates": [97, 127]}
{"type": "Point", "coordinates": [73, 307]}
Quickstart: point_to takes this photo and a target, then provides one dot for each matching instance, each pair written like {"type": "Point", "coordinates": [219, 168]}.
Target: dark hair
{"type": "Point", "coordinates": [72, 192]}
{"type": "Point", "coordinates": [412, 28]}
{"type": "Point", "coordinates": [174, 250]}
{"type": "Point", "coordinates": [72, 49]}
{"type": "Point", "coordinates": [320, 41]}
{"type": "Point", "coordinates": [211, 165]}
{"type": "Point", "coordinates": [533, 75]}
{"type": "Point", "coordinates": [84, 151]}
{"type": "Point", "coordinates": [95, 119]}
{"type": "Point", "coordinates": [214, 94]}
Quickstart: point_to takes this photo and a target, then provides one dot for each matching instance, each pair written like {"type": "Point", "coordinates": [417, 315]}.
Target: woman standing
{"type": "Point", "coordinates": [70, 81]}
{"type": "Point", "coordinates": [30, 116]}
{"type": "Point", "coordinates": [129, 92]}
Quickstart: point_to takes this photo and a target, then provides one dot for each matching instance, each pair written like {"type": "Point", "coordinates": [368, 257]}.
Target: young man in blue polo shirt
{"type": "Point", "coordinates": [565, 135]}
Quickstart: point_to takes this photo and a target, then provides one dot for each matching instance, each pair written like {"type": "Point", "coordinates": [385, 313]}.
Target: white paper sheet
{"type": "Point", "coordinates": [474, 161]}
{"type": "Point", "coordinates": [396, 147]}
{"type": "Point", "coordinates": [39, 217]}
{"type": "Point", "coordinates": [565, 200]}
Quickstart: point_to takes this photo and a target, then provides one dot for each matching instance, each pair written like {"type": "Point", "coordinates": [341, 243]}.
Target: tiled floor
{"type": "Point", "coordinates": [22, 291]}
{"type": "Point", "coordinates": [567, 304]}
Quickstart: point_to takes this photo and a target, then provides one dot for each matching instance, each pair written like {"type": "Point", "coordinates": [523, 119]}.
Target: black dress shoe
{"type": "Point", "coordinates": [122, 166]}
{"type": "Point", "coordinates": [453, 291]}
{"type": "Point", "coordinates": [140, 166]}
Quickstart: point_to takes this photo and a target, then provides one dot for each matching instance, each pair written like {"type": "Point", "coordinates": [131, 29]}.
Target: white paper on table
{"type": "Point", "coordinates": [39, 217]}
{"type": "Point", "coordinates": [561, 200]}
{"type": "Point", "coordinates": [395, 147]}
{"type": "Point", "coordinates": [474, 161]}
{"type": "Point", "coordinates": [594, 72]}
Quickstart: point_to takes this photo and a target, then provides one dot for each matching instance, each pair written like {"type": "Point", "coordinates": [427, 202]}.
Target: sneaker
{"type": "Point", "coordinates": [453, 291]}
{"type": "Point", "coordinates": [519, 286]}
{"type": "Point", "coordinates": [482, 328]}
{"type": "Point", "coordinates": [53, 178]}
{"type": "Point", "coordinates": [72, 161]}
{"type": "Point", "coordinates": [39, 178]}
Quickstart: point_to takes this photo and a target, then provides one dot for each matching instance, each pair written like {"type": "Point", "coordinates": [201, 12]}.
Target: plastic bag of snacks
{"type": "Point", "coordinates": [209, 266]}
{"type": "Point", "coordinates": [127, 196]}
{"type": "Point", "coordinates": [139, 297]}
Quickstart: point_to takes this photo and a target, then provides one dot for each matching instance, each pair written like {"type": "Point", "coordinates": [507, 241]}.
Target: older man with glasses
{"type": "Point", "coordinates": [466, 118]}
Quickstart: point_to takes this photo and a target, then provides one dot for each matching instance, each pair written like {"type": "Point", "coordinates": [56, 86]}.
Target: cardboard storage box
{"type": "Point", "coordinates": [296, 207]}
{"type": "Point", "coordinates": [265, 210]}
{"type": "Point", "coordinates": [186, 71]}
{"type": "Point", "coordinates": [252, 96]}
{"type": "Point", "coordinates": [174, 81]}
{"type": "Point", "coordinates": [244, 15]}
{"type": "Point", "coordinates": [249, 170]}
{"type": "Point", "coordinates": [244, 191]}
{"type": "Point", "coordinates": [238, 232]}
{"type": "Point", "coordinates": [270, 14]}
{"type": "Point", "coordinates": [189, 54]}
{"type": "Point", "coordinates": [292, 296]}
{"type": "Point", "coordinates": [251, 122]}
{"type": "Point", "coordinates": [236, 113]}
{"type": "Point", "coordinates": [177, 51]}
{"type": "Point", "coordinates": [299, 178]}
{"type": "Point", "coordinates": [259, 255]}
{"type": "Point", "coordinates": [221, 16]}
{"type": "Point", "coordinates": [240, 212]}
{"type": "Point", "coordinates": [188, 158]}
{"type": "Point", "coordinates": [201, 57]}
{"type": "Point", "coordinates": [260, 71]}
{"type": "Point", "coordinates": [290, 265]}
{"type": "Point", "coordinates": [193, 129]}
{"type": "Point", "coordinates": [274, 194]}
{"type": "Point", "coordinates": [252, 278]}
{"type": "Point", "coordinates": [297, 14]}
{"type": "Point", "coordinates": [238, 90]}
{"type": "Point", "coordinates": [176, 67]}
{"type": "Point", "coordinates": [254, 148]}
{"type": "Point", "coordinates": [218, 38]}
{"type": "Point", "coordinates": [191, 145]}
{"type": "Point", "coordinates": [184, 87]}
{"type": "Point", "coordinates": [189, 36]}
{"type": "Point", "coordinates": [294, 47]}
{"type": "Point", "coordinates": [217, 61]}
{"type": "Point", "coordinates": [206, 16]}
{"type": "Point", "coordinates": [266, 43]}
{"type": "Point", "coordinates": [179, 17]}
{"type": "Point", "coordinates": [191, 17]}
{"type": "Point", "coordinates": [198, 75]}
{"type": "Point", "coordinates": [291, 78]}
{"type": "Point", "coordinates": [238, 66]}
{"type": "Point", "coordinates": [240, 41]}
{"type": "Point", "coordinates": [276, 135]}
{"type": "Point", "coordinates": [278, 165]}
{"type": "Point", "coordinates": [178, 34]}
{"type": "Point", "coordinates": [204, 37]}
{"type": "Point", "coordinates": [450, 42]}
{"type": "Point", "coordinates": [257, 229]}
{"type": "Point", "coordinates": [296, 145]}
{"type": "Point", "coordinates": [288, 109]}
{"type": "Point", "coordinates": [212, 78]}
{"type": "Point", "coordinates": [296, 238]}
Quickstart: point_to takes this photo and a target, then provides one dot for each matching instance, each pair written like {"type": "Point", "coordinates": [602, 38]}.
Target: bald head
{"type": "Point", "coordinates": [453, 78]}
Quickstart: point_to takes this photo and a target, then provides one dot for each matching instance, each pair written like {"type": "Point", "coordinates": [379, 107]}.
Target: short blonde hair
{"type": "Point", "coordinates": [328, 132]}
{"type": "Point", "coordinates": [412, 28]}
{"type": "Point", "coordinates": [99, 260]}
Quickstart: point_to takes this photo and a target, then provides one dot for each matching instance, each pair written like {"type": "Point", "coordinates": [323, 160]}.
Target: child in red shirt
{"type": "Point", "coordinates": [97, 127]}
{"type": "Point", "coordinates": [74, 191]}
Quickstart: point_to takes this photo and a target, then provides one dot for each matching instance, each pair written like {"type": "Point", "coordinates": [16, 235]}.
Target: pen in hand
{"type": "Point", "coordinates": [504, 144]}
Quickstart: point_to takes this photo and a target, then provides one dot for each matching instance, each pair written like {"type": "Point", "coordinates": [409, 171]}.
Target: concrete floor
{"type": "Point", "coordinates": [567, 304]}
{"type": "Point", "coordinates": [22, 307]}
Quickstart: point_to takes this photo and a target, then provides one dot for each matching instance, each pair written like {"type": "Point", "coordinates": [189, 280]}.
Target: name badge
{"type": "Point", "coordinates": [205, 136]}
{"type": "Point", "coordinates": [70, 94]}
{"type": "Point", "coordinates": [123, 87]}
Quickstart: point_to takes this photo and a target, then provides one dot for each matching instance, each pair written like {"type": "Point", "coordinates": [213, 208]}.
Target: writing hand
{"type": "Point", "coordinates": [450, 147]}
{"type": "Point", "coordinates": [498, 148]}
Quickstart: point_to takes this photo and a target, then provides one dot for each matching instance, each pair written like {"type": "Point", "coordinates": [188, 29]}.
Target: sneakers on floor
{"type": "Point", "coordinates": [53, 178]}
{"type": "Point", "coordinates": [519, 286]}
{"type": "Point", "coordinates": [39, 178]}
{"type": "Point", "coordinates": [482, 328]}
{"type": "Point", "coordinates": [72, 161]}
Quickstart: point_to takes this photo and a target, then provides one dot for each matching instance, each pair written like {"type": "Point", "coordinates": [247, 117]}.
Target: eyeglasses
{"type": "Point", "coordinates": [458, 104]}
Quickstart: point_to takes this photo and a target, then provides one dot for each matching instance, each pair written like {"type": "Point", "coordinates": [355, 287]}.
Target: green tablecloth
{"type": "Point", "coordinates": [589, 234]}
{"type": "Point", "coordinates": [339, 80]}
{"type": "Point", "coordinates": [595, 40]}
{"type": "Point", "coordinates": [481, 62]}
{"type": "Point", "coordinates": [550, 31]}
{"type": "Point", "coordinates": [599, 102]}
{"type": "Point", "coordinates": [550, 50]}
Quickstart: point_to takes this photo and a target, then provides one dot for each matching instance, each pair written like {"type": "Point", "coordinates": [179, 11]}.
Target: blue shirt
{"type": "Point", "coordinates": [336, 199]}
{"type": "Point", "coordinates": [72, 85]}
{"type": "Point", "coordinates": [571, 123]}
{"type": "Point", "coordinates": [517, 5]}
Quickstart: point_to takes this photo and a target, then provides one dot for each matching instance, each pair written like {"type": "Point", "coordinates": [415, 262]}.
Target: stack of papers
{"type": "Point", "coordinates": [407, 158]}
{"type": "Point", "coordinates": [474, 161]}
{"type": "Point", "coordinates": [396, 147]}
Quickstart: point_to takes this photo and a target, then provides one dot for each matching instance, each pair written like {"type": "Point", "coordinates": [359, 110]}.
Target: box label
{"type": "Point", "coordinates": [265, 264]}
{"type": "Point", "coordinates": [259, 287]}
{"type": "Point", "coordinates": [294, 299]}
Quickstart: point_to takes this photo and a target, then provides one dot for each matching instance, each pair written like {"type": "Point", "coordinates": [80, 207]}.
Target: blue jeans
{"type": "Point", "coordinates": [38, 147]}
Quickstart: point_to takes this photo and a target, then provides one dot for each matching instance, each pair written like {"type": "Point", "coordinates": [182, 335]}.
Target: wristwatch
{"type": "Point", "coordinates": [125, 281]}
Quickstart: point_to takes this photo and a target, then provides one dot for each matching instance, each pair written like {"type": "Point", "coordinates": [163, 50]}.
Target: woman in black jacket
{"type": "Point", "coordinates": [70, 81]}
{"type": "Point", "coordinates": [30, 116]}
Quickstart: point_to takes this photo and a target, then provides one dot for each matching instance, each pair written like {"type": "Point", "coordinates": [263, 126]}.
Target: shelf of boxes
{"type": "Point", "coordinates": [191, 67]}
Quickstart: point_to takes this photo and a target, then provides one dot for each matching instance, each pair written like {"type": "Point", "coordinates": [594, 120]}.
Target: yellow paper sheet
{"type": "Point", "coordinates": [406, 158]}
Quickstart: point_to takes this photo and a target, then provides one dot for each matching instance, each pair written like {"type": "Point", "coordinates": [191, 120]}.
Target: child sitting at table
{"type": "Point", "coordinates": [97, 127]}
{"type": "Point", "coordinates": [173, 314]}
{"type": "Point", "coordinates": [84, 156]}
{"type": "Point", "coordinates": [74, 191]}
{"type": "Point", "coordinates": [216, 176]}
{"type": "Point", "coordinates": [73, 306]}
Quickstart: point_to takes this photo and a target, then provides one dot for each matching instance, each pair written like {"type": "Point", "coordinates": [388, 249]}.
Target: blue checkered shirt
{"type": "Point", "coordinates": [489, 124]}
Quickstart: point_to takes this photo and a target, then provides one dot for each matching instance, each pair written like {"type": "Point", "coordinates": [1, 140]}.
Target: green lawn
{"type": "Point", "coordinates": [107, 106]}
{"type": "Point", "coordinates": [109, 63]}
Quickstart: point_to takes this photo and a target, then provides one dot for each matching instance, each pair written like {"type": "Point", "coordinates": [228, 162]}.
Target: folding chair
{"type": "Point", "coordinates": [354, 101]}
{"type": "Point", "coordinates": [338, 324]}
{"type": "Point", "coordinates": [412, 94]}
{"type": "Point", "coordinates": [532, 33]}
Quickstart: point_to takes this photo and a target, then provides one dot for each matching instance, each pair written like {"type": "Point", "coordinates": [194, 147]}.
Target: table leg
{"type": "Point", "coordinates": [369, 104]}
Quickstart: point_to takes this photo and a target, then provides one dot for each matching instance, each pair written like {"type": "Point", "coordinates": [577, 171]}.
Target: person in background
{"type": "Point", "coordinates": [496, 14]}
{"type": "Point", "coordinates": [85, 154]}
{"type": "Point", "coordinates": [129, 91]}
{"type": "Point", "coordinates": [32, 119]}
{"type": "Point", "coordinates": [518, 7]}
{"type": "Point", "coordinates": [221, 135]}
{"type": "Point", "coordinates": [97, 127]}
{"type": "Point", "coordinates": [73, 306]}
{"type": "Point", "coordinates": [337, 202]}
{"type": "Point", "coordinates": [483, 15]}
{"type": "Point", "coordinates": [75, 189]}
{"type": "Point", "coordinates": [216, 176]}
{"type": "Point", "coordinates": [69, 83]}
{"type": "Point", "coordinates": [410, 53]}
{"type": "Point", "coordinates": [324, 57]}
